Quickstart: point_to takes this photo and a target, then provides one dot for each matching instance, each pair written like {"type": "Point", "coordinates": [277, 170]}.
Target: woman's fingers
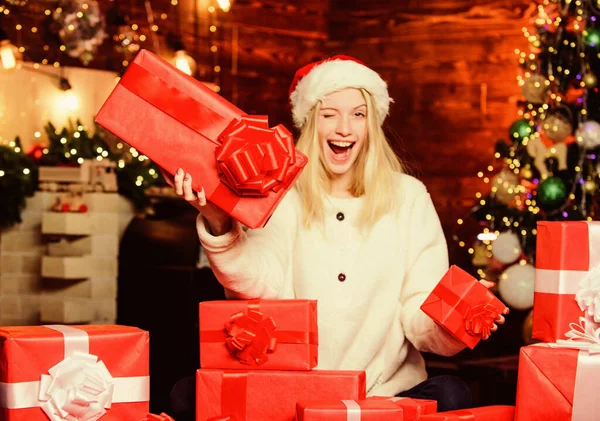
{"type": "Point", "coordinates": [179, 182]}
{"type": "Point", "coordinates": [188, 193]}
{"type": "Point", "coordinates": [201, 197]}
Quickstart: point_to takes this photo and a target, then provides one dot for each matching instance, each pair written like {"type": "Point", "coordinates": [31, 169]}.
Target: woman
{"type": "Point", "coordinates": [355, 233]}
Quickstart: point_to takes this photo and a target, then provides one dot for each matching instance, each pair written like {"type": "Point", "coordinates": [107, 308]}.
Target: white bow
{"type": "Point", "coordinates": [588, 295]}
{"type": "Point", "coordinates": [79, 388]}
{"type": "Point", "coordinates": [585, 335]}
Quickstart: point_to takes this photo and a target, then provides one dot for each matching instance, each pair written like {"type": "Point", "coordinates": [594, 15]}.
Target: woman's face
{"type": "Point", "coordinates": [342, 129]}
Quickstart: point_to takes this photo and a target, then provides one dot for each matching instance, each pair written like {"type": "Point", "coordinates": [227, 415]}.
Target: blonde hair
{"type": "Point", "coordinates": [374, 175]}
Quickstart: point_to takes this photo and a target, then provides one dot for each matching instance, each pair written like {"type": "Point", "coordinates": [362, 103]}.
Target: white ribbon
{"type": "Point", "coordinates": [352, 410]}
{"type": "Point", "coordinates": [584, 335]}
{"type": "Point", "coordinates": [79, 388]}
{"type": "Point", "coordinates": [588, 295]}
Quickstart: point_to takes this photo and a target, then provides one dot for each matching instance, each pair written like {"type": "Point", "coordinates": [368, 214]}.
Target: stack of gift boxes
{"type": "Point", "coordinates": [258, 362]}
{"type": "Point", "coordinates": [558, 378]}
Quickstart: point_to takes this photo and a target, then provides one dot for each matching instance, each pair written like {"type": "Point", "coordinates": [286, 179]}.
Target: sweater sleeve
{"type": "Point", "coordinates": [427, 263]}
{"type": "Point", "coordinates": [255, 263]}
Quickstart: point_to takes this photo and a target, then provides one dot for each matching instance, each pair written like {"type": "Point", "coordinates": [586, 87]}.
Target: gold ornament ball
{"type": "Point", "coordinates": [590, 80]}
{"type": "Point", "coordinates": [526, 173]}
{"type": "Point", "coordinates": [557, 127]}
{"type": "Point", "coordinates": [504, 185]}
{"type": "Point", "coordinates": [535, 89]}
{"type": "Point", "coordinates": [590, 186]}
{"type": "Point", "coordinates": [528, 328]}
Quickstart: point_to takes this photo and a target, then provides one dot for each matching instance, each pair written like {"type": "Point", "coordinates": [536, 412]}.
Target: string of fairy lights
{"type": "Point", "coordinates": [547, 96]}
{"type": "Point", "coordinates": [129, 40]}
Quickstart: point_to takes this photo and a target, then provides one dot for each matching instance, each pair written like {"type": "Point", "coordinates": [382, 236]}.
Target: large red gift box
{"type": "Point", "coordinates": [484, 413]}
{"type": "Point", "coordinates": [58, 372]}
{"type": "Point", "coordinates": [412, 408]}
{"type": "Point", "coordinates": [344, 410]}
{"type": "Point", "coordinates": [261, 395]}
{"type": "Point", "coordinates": [259, 334]}
{"type": "Point", "coordinates": [557, 384]}
{"type": "Point", "coordinates": [567, 261]}
{"type": "Point", "coordinates": [463, 306]}
{"type": "Point", "coordinates": [244, 166]}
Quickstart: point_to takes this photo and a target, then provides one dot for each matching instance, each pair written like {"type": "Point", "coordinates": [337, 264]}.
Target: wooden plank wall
{"type": "Point", "coordinates": [450, 65]}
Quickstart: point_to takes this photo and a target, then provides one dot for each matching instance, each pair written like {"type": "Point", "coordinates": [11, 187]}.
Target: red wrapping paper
{"type": "Point", "coordinates": [370, 410]}
{"type": "Point", "coordinates": [28, 352]}
{"type": "Point", "coordinates": [563, 253]}
{"type": "Point", "coordinates": [177, 122]}
{"type": "Point", "coordinates": [295, 332]}
{"type": "Point", "coordinates": [484, 413]}
{"type": "Point", "coordinates": [264, 395]}
{"type": "Point", "coordinates": [412, 408]}
{"type": "Point", "coordinates": [161, 417]}
{"type": "Point", "coordinates": [463, 306]}
{"type": "Point", "coordinates": [556, 384]}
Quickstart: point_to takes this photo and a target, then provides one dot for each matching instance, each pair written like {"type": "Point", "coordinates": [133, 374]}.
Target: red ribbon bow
{"type": "Point", "coordinates": [250, 337]}
{"type": "Point", "coordinates": [253, 158]}
{"type": "Point", "coordinates": [480, 319]}
{"type": "Point", "coordinates": [161, 417]}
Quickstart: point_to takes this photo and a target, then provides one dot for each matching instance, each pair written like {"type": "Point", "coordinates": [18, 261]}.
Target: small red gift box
{"type": "Point", "coordinates": [260, 395]}
{"type": "Point", "coordinates": [412, 408]}
{"type": "Point", "coordinates": [566, 276]}
{"type": "Point", "coordinates": [244, 166]}
{"type": "Point", "coordinates": [557, 384]}
{"type": "Point", "coordinates": [345, 410]}
{"type": "Point", "coordinates": [484, 413]}
{"type": "Point", "coordinates": [259, 334]}
{"type": "Point", "coordinates": [463, 306]}
{"type": "Point", "coordinates": [73, 372]}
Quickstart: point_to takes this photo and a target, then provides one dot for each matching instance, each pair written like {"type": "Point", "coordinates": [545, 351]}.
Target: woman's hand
{"type": "Point", "coordinates": [500, 319]}
{"type": "Point", "coordinates": [218, 221]}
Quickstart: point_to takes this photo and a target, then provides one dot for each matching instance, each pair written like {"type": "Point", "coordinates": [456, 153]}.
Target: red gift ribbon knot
{"type": "Point", "coordinates": [480, 319]}
{"type": "Point", "coordinates": [251, 337]}
{"type": "Point", "coordinates": [252, 158]}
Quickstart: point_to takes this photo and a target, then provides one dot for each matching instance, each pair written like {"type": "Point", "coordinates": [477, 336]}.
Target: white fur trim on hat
{"type": "Point", "coordinates": [335, 75]}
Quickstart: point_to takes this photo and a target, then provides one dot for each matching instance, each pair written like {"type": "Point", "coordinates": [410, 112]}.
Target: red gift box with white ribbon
{"type": "Point", "coordinates": [559, 381]}
{"type": "Point", "coordinates": [567, 277]}
{"type": "Point", "coordinates": [349, 410]}
{"type": "Point", "coordinates": [411, 407]}
{"type": "Point", "coordinates": [61, 373]}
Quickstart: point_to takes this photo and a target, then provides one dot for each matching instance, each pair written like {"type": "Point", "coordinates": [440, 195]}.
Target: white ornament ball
{"type": "Point", "coordinates": [516, 286]}
{"type": "Point", "coordinates": [535, 89]}
{"type": "Point", "coordinates": [588, 134]}
{"type": "Point", "coordinates": [506, 248]}
{"type": "Point", "coordinates": [504, 186]}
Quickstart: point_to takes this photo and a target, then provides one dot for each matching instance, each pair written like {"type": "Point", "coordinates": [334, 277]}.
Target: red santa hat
{"type": "Point", "coordinates": [316, 80]}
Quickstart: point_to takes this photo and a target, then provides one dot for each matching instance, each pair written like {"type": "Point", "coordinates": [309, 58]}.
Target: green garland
{"type": "Point", "coordinates": [135, 172]}
{"type": "Point", "coordinates": [18, 180]}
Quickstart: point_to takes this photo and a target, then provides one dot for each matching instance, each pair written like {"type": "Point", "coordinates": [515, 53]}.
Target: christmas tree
{"type": "Point", "coordinates": [549, 163]}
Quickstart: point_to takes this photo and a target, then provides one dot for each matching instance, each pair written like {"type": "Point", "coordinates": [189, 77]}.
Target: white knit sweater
{"type": "Point", "coordinates": [369, 321]}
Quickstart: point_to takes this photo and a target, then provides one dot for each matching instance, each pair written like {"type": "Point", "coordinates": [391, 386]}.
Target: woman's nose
{"type": "Point", "coordinates": [344, 127]}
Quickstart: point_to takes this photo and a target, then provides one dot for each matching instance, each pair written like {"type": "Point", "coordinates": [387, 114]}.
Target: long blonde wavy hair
{"type": "Point", "coordinates": [375, 170]}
